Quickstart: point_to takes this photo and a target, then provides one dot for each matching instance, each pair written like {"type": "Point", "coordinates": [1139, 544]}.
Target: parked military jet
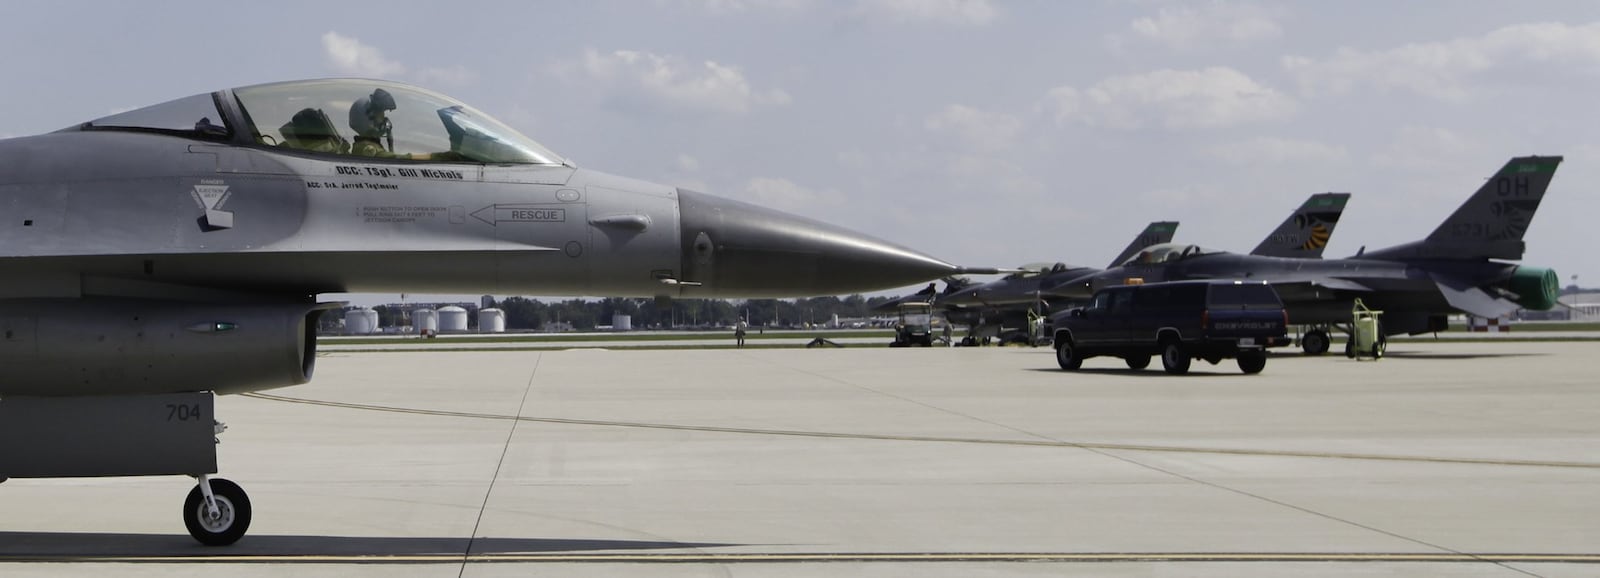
{"type": "Point", "coordinates": [1457, 268]}
{"type": "Point", "coordinates": [153, 258]}
{"type": "Point", "coordinates": [1013, 301]}
{"type": "Point", "coordinates": [1024, 287]}
{"type": "Point", "coordinates": [928, 294]}
{"type": "Point", "coordinates": [987, 309]}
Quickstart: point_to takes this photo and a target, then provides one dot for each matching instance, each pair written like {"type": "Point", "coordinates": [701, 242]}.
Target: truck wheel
{"type": "Point", "coordinates": [1067, 356]}
{"type": "Point", "coordinates": [1174, 359]}
{"type": "Point", "coordinates": [1137, 362]}
{"type": "Point", "coordinates": [1315, 342]}
{"type": "Point", "coordinates": [1252, 362]}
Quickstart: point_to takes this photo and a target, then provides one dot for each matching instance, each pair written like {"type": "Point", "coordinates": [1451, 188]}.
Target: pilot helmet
{"type": "Point", "coordinates": [363, 114]}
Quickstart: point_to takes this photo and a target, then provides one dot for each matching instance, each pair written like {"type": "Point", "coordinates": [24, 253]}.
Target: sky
{"type": "Point", "coordinates": [982, 132]}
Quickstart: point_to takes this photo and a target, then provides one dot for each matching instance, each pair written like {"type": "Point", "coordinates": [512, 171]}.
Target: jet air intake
{"type": "Point", "coordinates": [1537, 288]}
{"type": "Point", "coordinates": [116, 346]}
{"type": "Point", "coordinates": [732, 248]}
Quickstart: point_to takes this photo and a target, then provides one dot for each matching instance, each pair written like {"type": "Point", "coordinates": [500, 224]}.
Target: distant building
{"type": "Point", "coordinates": [1582, 306]}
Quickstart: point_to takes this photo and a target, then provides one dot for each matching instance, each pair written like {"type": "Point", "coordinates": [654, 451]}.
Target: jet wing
{"type": "Point", "coordinates": [1338, 284]}
{"type": "Point", "coordinates": [1333, 283]}
{"type": "Point", "coordinates": [1320, 289]}
{"type": "Point", "coordinates": [1463, 295]}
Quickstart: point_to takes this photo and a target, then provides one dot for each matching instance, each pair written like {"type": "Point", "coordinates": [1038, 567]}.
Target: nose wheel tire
{"type": "Point", "coordinates": [231, 519]}
{"type": "Point", "coordinates": [1137, 362]}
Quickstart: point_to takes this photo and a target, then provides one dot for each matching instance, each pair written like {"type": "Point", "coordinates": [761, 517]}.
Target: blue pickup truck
{"type": "Point", "coordinates": [1180, 321]}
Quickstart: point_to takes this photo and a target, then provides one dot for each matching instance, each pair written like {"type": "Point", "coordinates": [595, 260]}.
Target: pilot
{"type": "Point", "coordinates": [311, 130]}
{"type": "Point", "coordinates": [369, 118]}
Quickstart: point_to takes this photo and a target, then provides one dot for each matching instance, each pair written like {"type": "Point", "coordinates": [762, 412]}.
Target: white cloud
{"type": "Point", "coordinates": [688, 163]}
{"type": "Point", "coordinates": [672, 82]}
{"type": "Point", "coordinates": [1193, 25]}
{"type": "Point", "coordinates": [962, 12]}
{"type": "Point", "coordinates": [740, 6]}
{"type": "Point", "coordinates": [784, 194]}
{"type": "Point", "coordinates": [853, 158]}
{"type": "Point", "coordinates": [1004, 178]}
{"type": "Point", "coordinates": [1272, 150]}
{"type": "Point", "coordinates": [455, 76]}
{"type": "Point", "coordinates": [1177, 99]}
{"type": "Point", "coordinates": [1190, 195]}
{"type": "Point", "coordinates": [976, 128]}
{"type": "Point", "coordinates": [1428, 149]}
{"type": "Point", "coordinates": [348, 55]}
{"type": "Point", "coordinates": [1442, 69]}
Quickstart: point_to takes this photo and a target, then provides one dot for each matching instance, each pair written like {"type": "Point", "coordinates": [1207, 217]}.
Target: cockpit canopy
{"type": "Point", "coordinates": [1037, 269]}
{"type": "Point", "coordinates": [324, 117]}
{"type": "Point", "coordinates": [1167, 253]}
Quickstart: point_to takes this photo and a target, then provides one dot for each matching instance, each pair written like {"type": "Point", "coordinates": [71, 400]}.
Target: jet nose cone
{"type": "Point", "coordinates": [738, 249]}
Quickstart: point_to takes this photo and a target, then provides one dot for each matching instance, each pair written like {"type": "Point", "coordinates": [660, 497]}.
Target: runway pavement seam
{"type": "Point", "coordinates": [835, 557]}
{"type": "Point", "coordinates": [1306, 510]}
{"type": "Point", "coordinates": [935, 439]}
{"type": "Point", "coordinates": [936, 408]}
{"type": "Point", "coordinates": [506, 449]}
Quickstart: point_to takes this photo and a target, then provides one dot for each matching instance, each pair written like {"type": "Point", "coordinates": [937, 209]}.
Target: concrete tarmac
{"type": "Point", "coordinates": [1442, 459]}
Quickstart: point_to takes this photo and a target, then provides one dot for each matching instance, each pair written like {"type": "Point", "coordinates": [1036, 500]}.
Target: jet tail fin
{"type": "Point", "coordinates": [1491, 223]}
{"type": "Point", "coordinates": [1155, 233]}
{"type": "Point", "coordinates": [1306, 232]}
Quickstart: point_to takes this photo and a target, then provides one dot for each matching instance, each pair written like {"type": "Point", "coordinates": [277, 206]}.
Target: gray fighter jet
{"type": "Point", "coordinates": [1457, 268]}
{"type": "Point", "coordinates": [1304, 234]}
{"type": "Point", "coordinates": [1025, 287]}
{"type": "Point", "coordinates": [153, 258]}
{"type": "Point", "coordinates": [989, 309]}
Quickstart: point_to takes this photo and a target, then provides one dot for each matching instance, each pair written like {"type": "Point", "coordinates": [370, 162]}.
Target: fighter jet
{"type": "Point", "coordinates": [928, 294]}
{"type": "Point", "coordinates": [1025, 286]}
{"type": "Point", "coordinates": [1018, 299]}
{"type": "Point", "coordinates": [1304, 234]}
{"type": "Point", "coordinates": [1458, 268]}
{"type": "Point", "coordinates": [987, 309]}
{"type": "Point", "coordinates": [152, 259]}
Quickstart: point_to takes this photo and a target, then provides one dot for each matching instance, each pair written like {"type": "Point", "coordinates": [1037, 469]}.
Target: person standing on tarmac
{"type": "Point", "coordinates": [738, 331]}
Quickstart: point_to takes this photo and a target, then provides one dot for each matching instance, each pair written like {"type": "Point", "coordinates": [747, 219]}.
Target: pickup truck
{"type": "Point", "coordinates": [1180, 321]}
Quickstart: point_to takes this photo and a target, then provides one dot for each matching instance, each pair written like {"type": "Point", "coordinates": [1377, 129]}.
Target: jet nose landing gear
{"type": "Point", "coordinates": [217, 512]}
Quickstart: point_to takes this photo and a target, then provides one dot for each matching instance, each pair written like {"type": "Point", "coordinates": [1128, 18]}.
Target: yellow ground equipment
{"type": "Point", "coordinates": [1366, 333]}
